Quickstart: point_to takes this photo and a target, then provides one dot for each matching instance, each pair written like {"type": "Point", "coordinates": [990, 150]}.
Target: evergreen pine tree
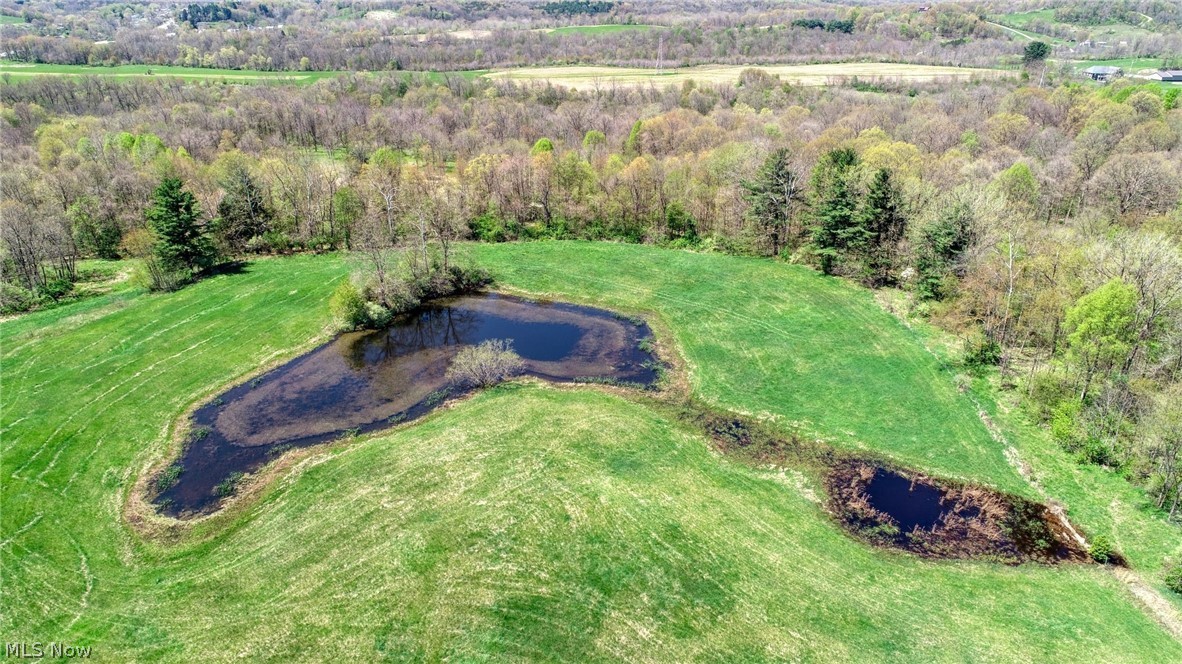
{"type": "Point", "coordinates": [884, 225]}
{"type": "Point", "coordinates": [243, 212]}
{"type": "Point", "coordinates": [173, 215]}
{"type": "Point", "coordinates": [836, 225]}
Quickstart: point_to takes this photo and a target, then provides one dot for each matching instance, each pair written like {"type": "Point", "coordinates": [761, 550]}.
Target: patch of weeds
{"type": "Point", "coordinates": [1027, 526]}
{"type": "Point", "coordinates": [396, 418]}
{"type": "Point", "coordinates": [647, 345]}
{"type": "Point", "coordinates": [732, 432]}
{"type": "Point", "coordinates": [218, 401]}
{"type": "Point", "coordinates": [437, 397]}
{"type": "Point", "coordinates": [606, 380]}
{"type": "Point", "coordinates": [657, 367]}
{"type": "Point", "coordinates": [256, 382]}
{"type": "Point", "coordinates": [279, 449]}
{"type": "Point", "coordinates": [227, 486]}
{"type": "Point", "coordinates": [1174, 578]}
{"type": "Point", "coordinates": [169, 477]}
{"type": "Point", "coordinates": [199, 433]}
{"type": "Point", "coordinates": [629, 318]}
{"type": "Point", "coordinates": [350, 433]}
{"type": "Point", "coordinates": [884, 533]}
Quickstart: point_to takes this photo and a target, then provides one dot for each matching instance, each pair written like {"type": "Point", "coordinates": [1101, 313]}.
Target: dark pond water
{"type": "Point", "coordinates": [364, 381]}
{"type": "Point", "coordinates": [913, 505]}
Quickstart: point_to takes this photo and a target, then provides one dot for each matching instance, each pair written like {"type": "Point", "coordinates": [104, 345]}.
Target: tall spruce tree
{"type": "Point", "coordinates": [773, 197]}
{"type": "Point", "coordinates": [243, 212]}
{"type": "Point", "coordinates": [181, 246]}
{"type": "Point", "coordinates": [884, 224]}
{"type": "Point", "coordinates": [836, 226]}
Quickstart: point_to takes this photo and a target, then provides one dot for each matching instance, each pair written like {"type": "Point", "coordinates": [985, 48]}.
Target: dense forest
{"type": "Point", "coordinates": [1041, 225]}
{"type": "Point", "coordinates": [448, 36]}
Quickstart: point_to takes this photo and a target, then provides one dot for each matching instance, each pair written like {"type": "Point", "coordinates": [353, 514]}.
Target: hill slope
{"type": "Point", "coordinates": [529, 520]}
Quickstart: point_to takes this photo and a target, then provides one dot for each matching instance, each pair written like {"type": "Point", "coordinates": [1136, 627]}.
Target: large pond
{"type": "Point", "coordinates": [364, 381]}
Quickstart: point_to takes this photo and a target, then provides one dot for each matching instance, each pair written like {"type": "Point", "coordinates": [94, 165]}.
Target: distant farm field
{"type": "Point", "coordinates": [590, 77]}
{"type": "Point", "coordinates": [18, 70]}
{"type": "Point", "coordinates": [535, 522]}
{"type": "Point", "coordinates": [578, 77]}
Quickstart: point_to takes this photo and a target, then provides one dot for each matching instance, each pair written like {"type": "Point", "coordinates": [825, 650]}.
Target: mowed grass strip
{"type": "Point", "coordinates": [528, 522]}
{"type": "Point", "coordinates": [586, 77]}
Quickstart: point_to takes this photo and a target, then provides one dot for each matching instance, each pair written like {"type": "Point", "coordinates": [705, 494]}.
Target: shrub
{"type": "Point", "coordinates": [981, 352]}
{"type": "Point", "coordinates": [348, 306]}
{"type": "Point", "coordinates": [1174, 578]}
{"type": "Point", "coordinates": [14, 299]}
{"type": "Point", "coordinates": [1102, 550]}
{"type": "Point", "coordinates": [376, 315]}
{"type": "Point", "coordinates": [1097, 452]}
{"type": "Point", "coordinates": [486, 364]}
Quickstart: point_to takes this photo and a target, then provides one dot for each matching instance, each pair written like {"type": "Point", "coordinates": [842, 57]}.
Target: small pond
{"type": "Point", "coordinates": [912, 504]}
{"type": "Point", "coordinates": [365, 381]}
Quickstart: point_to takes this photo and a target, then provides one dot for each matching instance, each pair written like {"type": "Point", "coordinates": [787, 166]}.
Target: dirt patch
{"type": "Point", "coordinates": [940, 519]}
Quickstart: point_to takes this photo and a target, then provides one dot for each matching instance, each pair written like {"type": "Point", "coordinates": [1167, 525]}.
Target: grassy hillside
{"type": "Point", "coordinates": [817, 354]}
{"type": "Point", "coordinates": [530, 520]}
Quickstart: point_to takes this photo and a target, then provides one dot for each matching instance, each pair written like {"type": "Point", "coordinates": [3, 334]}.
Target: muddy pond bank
{"type": "Point", "coordinates": [903, 509]}
{"type": "Point", "coordinates": [941, 519]}
{"type": "Point", "coordinates": [365, 381]}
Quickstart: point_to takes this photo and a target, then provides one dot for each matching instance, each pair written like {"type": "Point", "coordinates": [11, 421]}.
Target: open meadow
{"type": "Point", "coordinates": [533, 521]}
{"type": "Point", "coordinates": [589, 78]}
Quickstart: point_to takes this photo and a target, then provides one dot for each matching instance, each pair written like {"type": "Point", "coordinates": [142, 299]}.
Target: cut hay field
{"type": "Point", "coordinates": [535, 522]}
{"type": "Point", "coordinates": [589, 77]}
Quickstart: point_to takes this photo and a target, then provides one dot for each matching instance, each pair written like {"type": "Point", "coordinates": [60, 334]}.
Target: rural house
{"type": "Point", "coordinates": [1103, 73]}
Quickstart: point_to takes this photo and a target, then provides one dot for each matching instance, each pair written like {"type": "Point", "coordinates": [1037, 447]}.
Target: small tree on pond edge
{"type": "Point", "coordinates": [181, 247]}
{"type": "Point", "coordinates": [486, 364]}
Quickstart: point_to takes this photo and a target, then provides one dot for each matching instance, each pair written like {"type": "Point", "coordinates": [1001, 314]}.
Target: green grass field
{"type": "Point", "coordinates": [1021, 21]}
{"type": "Point", "coordinates": [1016, 24]}
{"type": "Point", "coordinates": [5, 19]}
{"type": "Point", "coordinates": [531, 521]}
{"type": "Point", "coordinates": [1130, 65]}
